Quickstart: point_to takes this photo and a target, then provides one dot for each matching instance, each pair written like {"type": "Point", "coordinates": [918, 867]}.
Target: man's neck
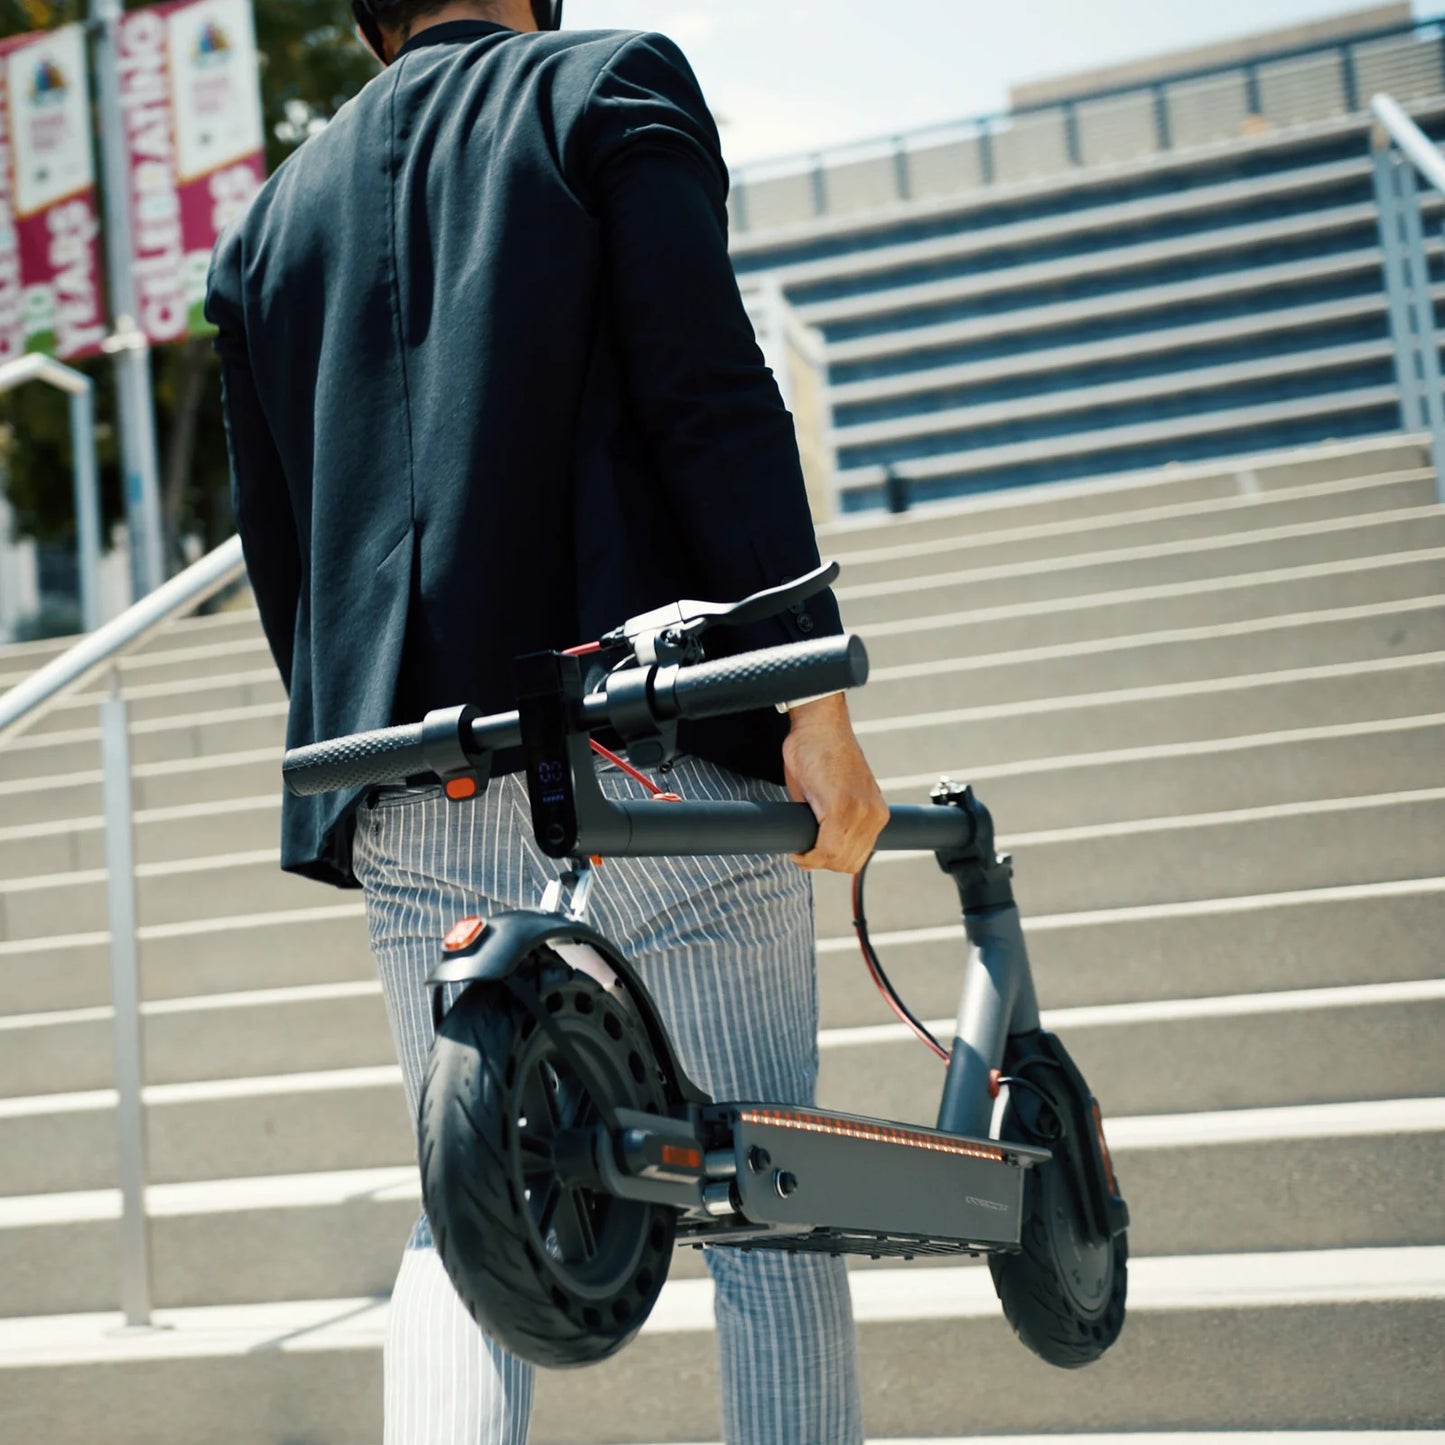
{"type": "Point", "coordinates": [514, 14]}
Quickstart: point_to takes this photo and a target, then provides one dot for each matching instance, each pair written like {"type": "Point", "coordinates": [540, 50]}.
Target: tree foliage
{"type": "Point", "coordinates": [311, 64]}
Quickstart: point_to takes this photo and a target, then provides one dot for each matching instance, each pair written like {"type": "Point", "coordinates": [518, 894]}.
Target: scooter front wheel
{"type": "Point", "coordinates": [1063, 1292]}
{"type": "Point", "coordinates": [549, 1264]}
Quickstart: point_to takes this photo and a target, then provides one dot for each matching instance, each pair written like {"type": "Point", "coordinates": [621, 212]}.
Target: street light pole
{"type": "Point", "coordinates": [128, 344]}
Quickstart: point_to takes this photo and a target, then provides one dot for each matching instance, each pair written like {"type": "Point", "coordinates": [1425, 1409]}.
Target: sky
{"type": "Point", "coordinates": [791, 75]}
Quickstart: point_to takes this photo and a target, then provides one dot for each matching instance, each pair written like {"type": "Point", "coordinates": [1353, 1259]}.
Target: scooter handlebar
{"type": "Point", "coordinates": [764, 678]}
{"type": "Point", "coordinates": [706, 689]}
{"type": "Point", "coordinates": [386, 755]}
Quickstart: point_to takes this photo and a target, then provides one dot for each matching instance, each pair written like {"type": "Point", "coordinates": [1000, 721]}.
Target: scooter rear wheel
{"type": "Point", "coordinates": [1063, 1292]}
{"type": "Point", "coordinates": [549, 1264]}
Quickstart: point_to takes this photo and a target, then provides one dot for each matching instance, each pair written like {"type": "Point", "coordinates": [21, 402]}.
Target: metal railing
{"type": "Point", "coordinates": [85, 472]}
{"type": "Point", "coordinates": [1200, 106]}
{"type": "Point", "coordinates": [93, 657]}
{"type": "Point", "coordinates": [1403, 157]}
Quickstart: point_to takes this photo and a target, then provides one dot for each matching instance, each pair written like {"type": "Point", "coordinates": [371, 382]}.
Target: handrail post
{"type": "Point", "coordinates": [1427, 338]}
{"type": "Point", "coordinates": [1387, 200]}
{"type": "Point", "coordinates": [135, 1283]}
{"type": "Point", "coordinates": [87, 504]}
{"type": "Point", "coordinates": [1403, 155]}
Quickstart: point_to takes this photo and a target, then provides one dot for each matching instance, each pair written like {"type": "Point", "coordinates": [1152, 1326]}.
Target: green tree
{"type": "Point", "coordinates": [311, 64]}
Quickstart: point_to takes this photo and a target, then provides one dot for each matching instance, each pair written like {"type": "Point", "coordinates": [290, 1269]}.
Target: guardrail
{"type": "Point", "coordinates": [92, 657]}
{"type": "Point", "coordinates": [1404, 156]}
{"type": "Point", "coordinates": [1122, 123]}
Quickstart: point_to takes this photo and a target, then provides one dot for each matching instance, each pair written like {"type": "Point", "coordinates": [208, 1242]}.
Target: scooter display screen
{"type": "Point", "coordinates": [543, 707]}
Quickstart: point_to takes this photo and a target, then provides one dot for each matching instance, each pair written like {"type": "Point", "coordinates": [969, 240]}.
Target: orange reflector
{"type": "Point", "coordinates": [462, 935]}
{"type": "Point", "coordinates": [684, 1158]}
{"type": "Point", "coordinates": [875, 1133]}
{"type": "Point", "coordinates": [460, 789]}
{"type": "Point", "coordinates": [1104, 1150]}
{"type": "Point", "coordinates": [596, 860]}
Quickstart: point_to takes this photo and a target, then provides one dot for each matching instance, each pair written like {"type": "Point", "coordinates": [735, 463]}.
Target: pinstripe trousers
{"type": "Point", "coordinates": [726, 947]}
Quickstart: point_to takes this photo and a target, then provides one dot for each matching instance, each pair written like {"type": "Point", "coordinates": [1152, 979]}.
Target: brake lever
{"type": "Point", "coordinates": [778, 599]}
{"type": "Point", "coordinates": [670, 634]}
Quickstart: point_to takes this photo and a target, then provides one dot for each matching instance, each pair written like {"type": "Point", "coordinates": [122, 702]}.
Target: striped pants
{"type": "Point", "coordinates": [725, 946]}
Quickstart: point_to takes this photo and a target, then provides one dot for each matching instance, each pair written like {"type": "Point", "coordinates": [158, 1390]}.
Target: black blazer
{"type": "Point", "coordinates": [490, 388]}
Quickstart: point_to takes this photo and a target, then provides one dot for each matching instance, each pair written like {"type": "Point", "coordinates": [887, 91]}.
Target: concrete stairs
{"type": "Point", "coordinates": [1207, 708]}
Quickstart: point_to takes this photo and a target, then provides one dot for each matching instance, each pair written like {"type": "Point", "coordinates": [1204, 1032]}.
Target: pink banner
{"type": "Point", "coordinates": [190, 96]}
{"type": "Point", "coordinates": [12, 286]}
{"type": "Point", "coordinates": [49, 234]}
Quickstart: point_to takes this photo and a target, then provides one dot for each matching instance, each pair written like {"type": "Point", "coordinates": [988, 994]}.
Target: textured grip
{"type": "Point", "coordinates": [770, 676]}
{"type": "Point", "coordinates": [385, 756]}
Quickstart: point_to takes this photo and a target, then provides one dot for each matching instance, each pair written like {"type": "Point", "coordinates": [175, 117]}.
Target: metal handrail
{"type": "Point", "coordinates": [1413, 141]}
{"type": "Point", "coordinates": [1403, 156]}
{"type": "Point", "coordinates": [26, 703]}
{"type": "Point", "coordinates": [22, 706]}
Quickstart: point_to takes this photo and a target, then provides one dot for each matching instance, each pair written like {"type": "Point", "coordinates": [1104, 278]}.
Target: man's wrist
{"type": "Point", "coordinates": [803, 707]}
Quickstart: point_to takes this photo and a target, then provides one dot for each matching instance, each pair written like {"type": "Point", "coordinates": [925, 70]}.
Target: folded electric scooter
{"type": "Point", "coordinates": [564, 1151]}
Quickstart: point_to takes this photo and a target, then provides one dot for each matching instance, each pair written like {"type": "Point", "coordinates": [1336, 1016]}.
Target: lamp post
{"type": "Point", "coordinates": [128, 344]}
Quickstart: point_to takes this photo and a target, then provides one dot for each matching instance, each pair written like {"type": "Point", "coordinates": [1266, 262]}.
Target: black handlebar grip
{"type": "Point", "coordinates": [387, 755]}
{"type": "Point", "coordinates": [764, 678]}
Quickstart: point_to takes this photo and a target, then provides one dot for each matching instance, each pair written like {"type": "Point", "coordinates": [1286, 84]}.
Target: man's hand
{"type": "Point", "coordinates": [825, 768]}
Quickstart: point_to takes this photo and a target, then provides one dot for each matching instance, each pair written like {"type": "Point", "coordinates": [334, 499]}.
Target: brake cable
{"type": "Point", "coordinates": [875, 970]}
{"type": "Point", "coordinates": [659, 794]}
{"type": "Point", "coordinates": [860, 921]}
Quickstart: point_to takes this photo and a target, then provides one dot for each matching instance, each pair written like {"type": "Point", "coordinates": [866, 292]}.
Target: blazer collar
{"type": "Point", "coordinates": [452, 32]}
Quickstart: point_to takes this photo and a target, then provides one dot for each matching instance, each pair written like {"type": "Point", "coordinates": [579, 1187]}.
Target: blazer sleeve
{"type": "Point", "coordinates": [259, 496]}
{"type": "Point", "coordinates": [650, 166]}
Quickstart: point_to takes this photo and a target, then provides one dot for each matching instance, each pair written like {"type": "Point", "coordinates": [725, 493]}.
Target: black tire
{"type": "Point", "coordinates": [559, 1274]}
{"type": "Point", "coordinates": [1063, 1294]}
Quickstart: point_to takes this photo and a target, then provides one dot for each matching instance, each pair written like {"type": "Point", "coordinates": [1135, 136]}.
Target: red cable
{"type": "Point", "coordinates": [633, 773]}
{"type": "Point", "coordinates": [891, 998]}
{"type": "Point", "coordinates": [585, 649]}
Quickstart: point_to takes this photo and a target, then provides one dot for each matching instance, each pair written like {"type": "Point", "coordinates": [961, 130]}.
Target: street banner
{"type": "Point", "coordinates": [190, 94]}
{"type": "Point", "coordinates": [48, 227]}
{"type": "Point", "coordinates": [12, 286]}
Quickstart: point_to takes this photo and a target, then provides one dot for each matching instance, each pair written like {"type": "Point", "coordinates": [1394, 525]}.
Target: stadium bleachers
{"type": "Point", "coordinates": [1090, 302]}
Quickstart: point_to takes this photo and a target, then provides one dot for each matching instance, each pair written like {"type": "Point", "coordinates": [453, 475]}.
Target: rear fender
{"type": "Point", "coordinates": [505, 944]}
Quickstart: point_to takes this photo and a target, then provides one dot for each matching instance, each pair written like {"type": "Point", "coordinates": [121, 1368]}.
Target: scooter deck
{"type": "Point", "coordinates": [809, 1179]}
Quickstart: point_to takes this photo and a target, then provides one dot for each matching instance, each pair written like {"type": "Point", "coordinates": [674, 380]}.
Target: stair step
{"type": "Point", "coordinates": [1313, 938]}
{"type": "Point", "coordinates": [319, 944]}
{"type": "Point", "coordinates": [1310, 939]}
{"type": "Point", "coordinates": [1284, 847]}
{"type": "Point", "coordinates": [1297, 766]}
{"type": "Point", "coordinates": [1266, 1179]}
{"type": "Point", "coordinates": [930, 633]}
{"type": "Point", "coordinates": [1180, 655]}
{"type": "Point", "coordinates": [986, 734]}
{"type": "Point", "coordinates": [1058, 579]}
{"type": "Point", "coordinates": [1230, 854]}
{"type": "Point", "coordinates": [1065, 502]}
{"type": "Point", "coordinates": [1165, 524]}
{"type": "Point", "coordinates": [311, 1370]}
{"type": "Point", "coordinates": [1370, 933]}
{"type": "Point", "coordinates": [1355, 1042]}
{"type": "Point", "coordinates": [1298, 1046]}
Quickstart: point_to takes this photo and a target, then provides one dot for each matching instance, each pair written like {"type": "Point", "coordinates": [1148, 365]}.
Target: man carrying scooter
{"type": "Point", "coordinates": [490, 387]}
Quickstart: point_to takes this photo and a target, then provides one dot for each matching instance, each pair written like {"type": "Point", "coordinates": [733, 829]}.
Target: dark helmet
{"type": "Point", "coordinates": [547, 12]}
